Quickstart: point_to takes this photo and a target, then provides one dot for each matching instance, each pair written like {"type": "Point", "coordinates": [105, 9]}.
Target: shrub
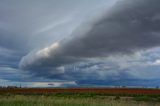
{"type": "Point", "coordinates": [144, 98]}
{"type": "Point", "coordinates": [117, 98]}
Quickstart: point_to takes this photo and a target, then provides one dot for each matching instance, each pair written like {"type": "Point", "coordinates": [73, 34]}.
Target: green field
{"type": "Point", "coordinates": [74, 100]}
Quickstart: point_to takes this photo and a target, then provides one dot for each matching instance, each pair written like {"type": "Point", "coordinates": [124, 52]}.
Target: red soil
{"type": "Point", "coordinates": [83, 90]}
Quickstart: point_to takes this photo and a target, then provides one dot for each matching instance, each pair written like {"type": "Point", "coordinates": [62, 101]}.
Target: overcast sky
{"type": "Point", "coordinates": [69, 43]}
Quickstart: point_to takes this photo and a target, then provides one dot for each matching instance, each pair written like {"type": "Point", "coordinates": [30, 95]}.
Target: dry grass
{"type": "Point", "coordinates": [42, 100]}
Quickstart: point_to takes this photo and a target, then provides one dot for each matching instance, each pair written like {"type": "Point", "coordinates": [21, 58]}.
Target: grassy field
{"type": "Point", "coordinates": [74, 100]}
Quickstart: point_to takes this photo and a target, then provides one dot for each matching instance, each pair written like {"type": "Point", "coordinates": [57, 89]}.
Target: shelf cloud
{"type": "Point", "coordinates": [127, 27]}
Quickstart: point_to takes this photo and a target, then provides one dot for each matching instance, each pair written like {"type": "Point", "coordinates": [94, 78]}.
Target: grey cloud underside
{"type": "Point", "coordinates": [129, 26]}
{"type": "Point", "coordinates": [124, 29]}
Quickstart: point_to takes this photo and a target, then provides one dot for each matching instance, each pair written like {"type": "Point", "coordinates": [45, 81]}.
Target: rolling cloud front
{"type": "Point", "coordinates": [80, 43]}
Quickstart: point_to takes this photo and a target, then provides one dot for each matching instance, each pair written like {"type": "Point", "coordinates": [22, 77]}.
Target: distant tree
{"type": "Point", "coordinates": [157, 87]}
{"type": "Point", "coordinates": [123, 86]}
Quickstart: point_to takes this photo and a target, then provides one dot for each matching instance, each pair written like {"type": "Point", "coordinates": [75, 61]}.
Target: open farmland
{"type": "Point", "coordinates": [79, 97]}
{"type": "Point", "coordinates": [127, 91]}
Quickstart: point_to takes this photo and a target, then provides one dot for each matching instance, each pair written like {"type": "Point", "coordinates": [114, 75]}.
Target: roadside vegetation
{"type": "Point", "coordinates": [77, 99]}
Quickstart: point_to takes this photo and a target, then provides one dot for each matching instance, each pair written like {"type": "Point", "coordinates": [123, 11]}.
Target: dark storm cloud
{"type": "Point", "coordinates": [125, 29]}
{"type": "Point", "coordinates": [123, 82]}
{"type": "Point", "coordinates": [129, 26]}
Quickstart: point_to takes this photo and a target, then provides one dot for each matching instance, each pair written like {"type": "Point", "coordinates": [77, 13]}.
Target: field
{"type": "Point", "coordinates": [131, 91]}
{"type": "Point", "coordinates": [79, 97]}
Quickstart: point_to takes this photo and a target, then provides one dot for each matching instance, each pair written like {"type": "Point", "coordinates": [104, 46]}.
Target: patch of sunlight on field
{"type": "Point", "coordinates": [40, 100]}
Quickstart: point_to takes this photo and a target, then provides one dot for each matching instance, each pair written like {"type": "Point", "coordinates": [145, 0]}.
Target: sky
{"type": "Point", "coordinates": [80, 43]}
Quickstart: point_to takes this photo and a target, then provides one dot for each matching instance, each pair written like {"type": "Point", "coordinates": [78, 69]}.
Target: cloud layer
{"type": "Point", "coordinates": [128, 27]}
{"type": "Point", "coordinates": [79, 42]}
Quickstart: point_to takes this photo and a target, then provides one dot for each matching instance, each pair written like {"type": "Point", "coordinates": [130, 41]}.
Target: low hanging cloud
{"type": "Point", "coordinates": [129, 26]}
